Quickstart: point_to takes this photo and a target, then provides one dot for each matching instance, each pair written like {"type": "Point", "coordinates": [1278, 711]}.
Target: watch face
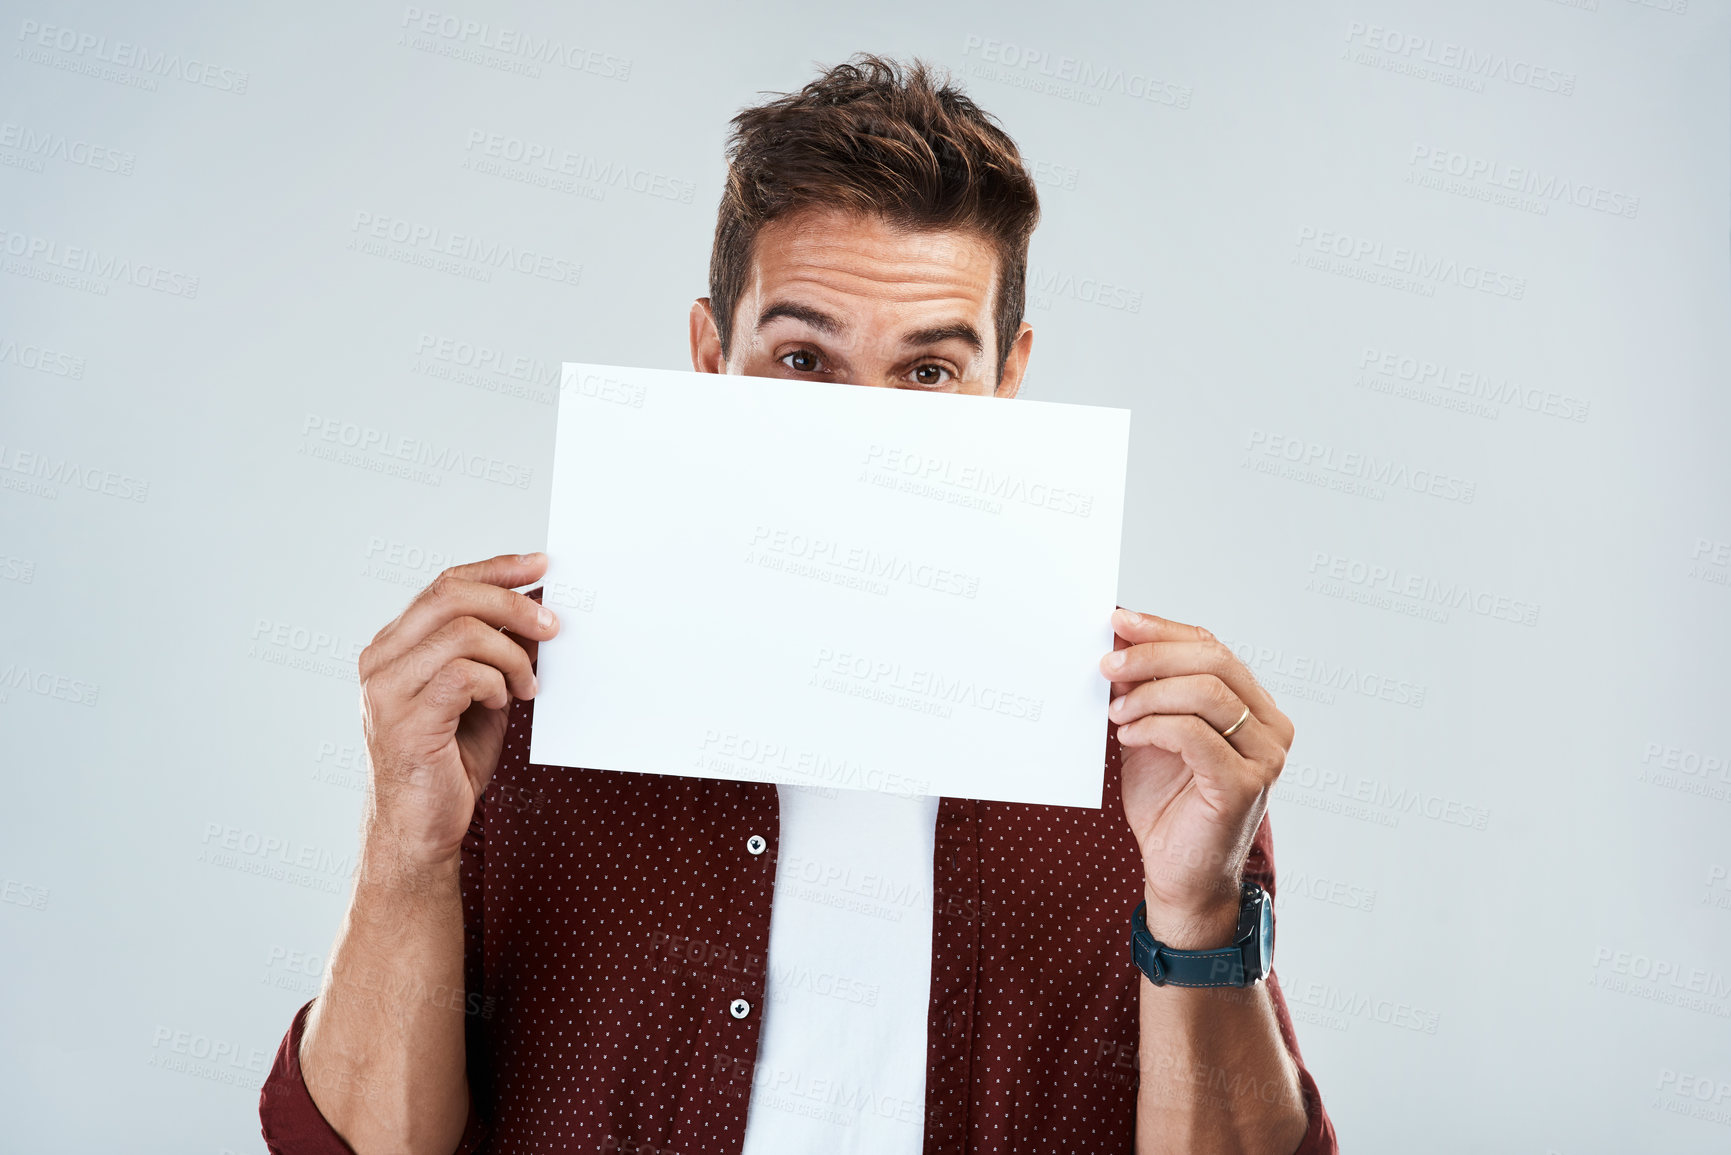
{"type": "Point", "coordinates": [1266, 937]}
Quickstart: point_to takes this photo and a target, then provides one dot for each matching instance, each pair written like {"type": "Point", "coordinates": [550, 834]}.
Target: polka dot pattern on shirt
{"type": "Point", "coordinates": [611, 919]}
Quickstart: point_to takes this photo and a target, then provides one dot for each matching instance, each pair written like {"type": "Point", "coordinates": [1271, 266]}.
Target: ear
{"type": "Point", "coordinates": [1016, 364]}
{"type": "Point", "coordinates": [705, 339]}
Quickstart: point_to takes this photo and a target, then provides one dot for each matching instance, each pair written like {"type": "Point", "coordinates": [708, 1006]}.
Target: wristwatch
{"type": "Point", "coordinates": [1239, 965]}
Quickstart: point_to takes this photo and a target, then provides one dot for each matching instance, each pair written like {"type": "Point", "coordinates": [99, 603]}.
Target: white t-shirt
{"type": "Point", "coordinates": [841, 1060]}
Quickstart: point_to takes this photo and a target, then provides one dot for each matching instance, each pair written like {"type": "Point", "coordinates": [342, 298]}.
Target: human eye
{"type": "Point", "coordinates": [932, 375]}
{"type": "Point", "coordinates": [801, 361]}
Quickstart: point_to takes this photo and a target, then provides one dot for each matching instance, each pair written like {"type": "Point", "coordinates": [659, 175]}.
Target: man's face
{"type": "Point", "coordinates": [844, 297]}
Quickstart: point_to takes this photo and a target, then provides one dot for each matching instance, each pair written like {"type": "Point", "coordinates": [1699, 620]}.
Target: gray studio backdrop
{"type": "Point", "coordinates": [1420, 308]}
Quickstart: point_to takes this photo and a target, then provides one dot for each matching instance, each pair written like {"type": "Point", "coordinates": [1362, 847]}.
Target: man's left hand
{"type": "Point", "coordinates": [1192, 797]}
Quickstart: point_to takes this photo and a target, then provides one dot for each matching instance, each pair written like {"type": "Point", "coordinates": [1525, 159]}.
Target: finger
{"type": "Point", "coordinates": [1207, 697]}
{"type": "Point", "coordinates": [478, 589]}
{"type": "Point", "coordinates": [531, 646]}
{"type": "Point", "coordinates": [1130, 627]}
{"type": "Point", "coordinates": [1224, 776]}
{"type": "Point", "coordinates": [1167, 659]}
{"type": "Point", "coordinates": [505, 569]}
{"type": "Point", "coordinates": [464, 638]}
{"type": "Point", "coordinates": [460, 683]}
{"type": "Point", "coordinates": [1140, 627]}
{"type": "Point", "coordinates": [1119, 643]}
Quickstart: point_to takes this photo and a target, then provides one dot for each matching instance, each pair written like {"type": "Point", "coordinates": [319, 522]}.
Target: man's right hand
{"type": "Point", "coordinates": [436, 690]}
{"type": "Point", "coordinates": [436, 687]}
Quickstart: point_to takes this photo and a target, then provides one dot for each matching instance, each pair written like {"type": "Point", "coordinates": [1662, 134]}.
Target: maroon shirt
{"type": "Point", "coordinates": [611, 919]}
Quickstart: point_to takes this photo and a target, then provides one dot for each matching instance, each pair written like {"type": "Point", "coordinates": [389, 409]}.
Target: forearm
{"type": "Point", "coordinates": [383, 1049]}
{"type": "Point", "coordinates": [1215, 1074]}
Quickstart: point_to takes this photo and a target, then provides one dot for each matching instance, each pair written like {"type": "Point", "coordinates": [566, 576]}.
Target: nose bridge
{"type": "Point", "coordinates": [877, 356]}
{"type": "Point", "coordinates": [866, 361]}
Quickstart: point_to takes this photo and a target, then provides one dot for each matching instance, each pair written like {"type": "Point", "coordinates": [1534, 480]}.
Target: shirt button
{"type": "Point", "coordinates": [756, 844]}
{"type": "Point", "coordinates": [739, 1008]}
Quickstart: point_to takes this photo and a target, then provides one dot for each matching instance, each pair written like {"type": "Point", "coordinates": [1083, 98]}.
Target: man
{"type": "Point", "coordinates": [550, 958]}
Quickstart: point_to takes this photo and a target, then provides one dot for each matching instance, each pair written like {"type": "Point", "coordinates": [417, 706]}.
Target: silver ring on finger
{"type": "Point", "coordinates": [1233, 729]}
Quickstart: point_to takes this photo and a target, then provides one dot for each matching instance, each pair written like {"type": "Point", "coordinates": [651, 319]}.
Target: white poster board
{"type": "Point", "coordinates": [831, 585]}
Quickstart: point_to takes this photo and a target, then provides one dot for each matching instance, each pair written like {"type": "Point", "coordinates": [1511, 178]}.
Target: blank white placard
{"type": "Point", "coordinates": [831, 585]}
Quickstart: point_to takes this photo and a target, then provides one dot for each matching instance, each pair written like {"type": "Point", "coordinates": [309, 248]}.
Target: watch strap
{"type": "Point", "coordinates": [1164, 966]}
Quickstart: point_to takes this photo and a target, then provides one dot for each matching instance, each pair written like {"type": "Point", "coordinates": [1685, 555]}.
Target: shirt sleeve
{"type": "Point", "coordinates": [292, 1123]}
{"type": "Point", "coordinates": [1319, 1138]}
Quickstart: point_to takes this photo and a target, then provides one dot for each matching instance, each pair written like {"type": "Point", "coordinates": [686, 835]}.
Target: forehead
{"type": "Point", "coordinates": [835, 254]}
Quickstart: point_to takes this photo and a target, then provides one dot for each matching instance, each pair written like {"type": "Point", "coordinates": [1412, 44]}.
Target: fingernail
{"type": "Point", "coordinates": [1117, 703]}
{"type": "Point", "coordinates": [545, 617]}
{"type": "Point", "coordinates": [534, 684]}
{"type": "Point", "coordinates": [1116, 660]}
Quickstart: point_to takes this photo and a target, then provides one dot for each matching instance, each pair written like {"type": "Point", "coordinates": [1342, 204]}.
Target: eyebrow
{"type": "Point", "coordinates": [816, 318]}
{"type": "Point", "coordinates": [830, 326]}
{"type": "Point", "coordinates": [956, 331]}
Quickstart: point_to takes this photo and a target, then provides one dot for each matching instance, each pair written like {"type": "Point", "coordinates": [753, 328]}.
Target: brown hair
{"type": "Point", "coordinates": [870, 136]}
